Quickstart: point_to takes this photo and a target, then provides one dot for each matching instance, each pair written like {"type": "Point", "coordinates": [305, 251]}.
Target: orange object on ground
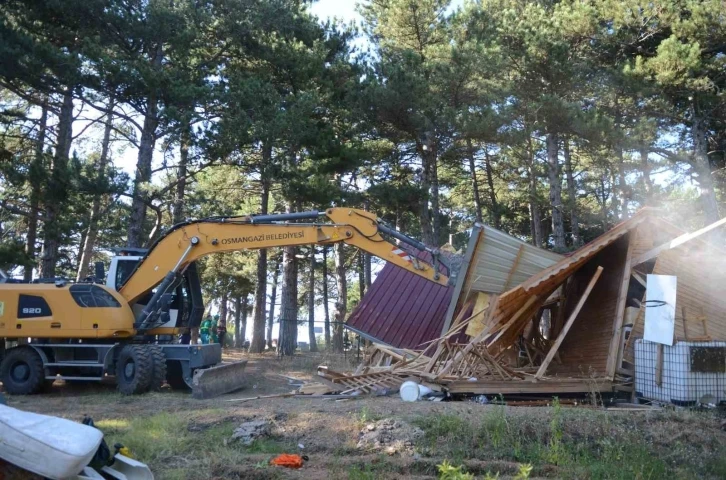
{"type": "Point", "coordinates": [288, 460]}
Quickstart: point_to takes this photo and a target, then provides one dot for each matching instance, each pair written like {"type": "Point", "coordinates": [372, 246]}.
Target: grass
{"type": "Point", "coordinates": [569, 444]}
{"type": "Point", "coordinates": [173, 450]}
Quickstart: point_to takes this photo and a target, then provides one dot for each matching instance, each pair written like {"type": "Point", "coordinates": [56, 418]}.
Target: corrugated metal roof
{"type": "Point", "coordinates": [402, 309]}
{"type": "Point", "coordinates": [501, 262]}
{"type": "Point", "coordinates": [495, 262]}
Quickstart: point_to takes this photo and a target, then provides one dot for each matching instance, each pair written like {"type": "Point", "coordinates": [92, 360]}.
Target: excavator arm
{"type": "Point", "coordinates": [188, 242]}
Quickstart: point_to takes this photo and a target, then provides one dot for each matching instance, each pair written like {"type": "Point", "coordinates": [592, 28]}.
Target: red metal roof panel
{"type": "Point", "coordinates": [401, 308]}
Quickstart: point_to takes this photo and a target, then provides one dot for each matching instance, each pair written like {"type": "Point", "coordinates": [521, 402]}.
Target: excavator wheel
{"type": "Point", "coordinates": [158, 372]}
{"type": "Point", "coordinates": [22, 371]}
{"type": "Point", "coordinates": [134, 369]}
{"type": "Point", "coordinates": [175, 376]}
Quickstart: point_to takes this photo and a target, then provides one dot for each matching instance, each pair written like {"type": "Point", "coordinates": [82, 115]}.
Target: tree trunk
{"type": "Point", "coordinates": [288, 308]}
{"type": "Point", "coordinates": [56, 194]}
{"type": "Point", "coordinates": [311, 304]}
{"type": "Point", "coordinates": [342, 301]}
{"type": "Point", "coordinates": [367, 270]}
{"type": "Point", "coordinates": [144, 159]}
{"type": "Point", "coordinates": [495, 214]}
{"type": "Point", "coordinates": [553, 163]}
{"type": "Point", "coordinates": [92, 231]}
{"type": "Point", "coordinates": [572, 196]}
{"type": "Point", "coordinates": [273, 299]}
{"type": "Point", "coordinates": [37, 172]}
{"type": "Point", "coordinates": [645, 167]}
{"type": "Point", "coordinates": [238, 322]}
{"type": "Point", "coordinates": [474, 182]}
{"type": "Point", "coordinates": [243, 327]}
{"type": "Point", "coordinates": [326, 307]}
{"type": "Point", "coordinates": [435, 204]}
{"type": "Point", "coordinates": [258, 323]}
{"type": "Point", "coordinates": [143, 174]}
{"type": "Point", "coordinates": [622, 183]}
{"type": "Point", "coordinates": [702, 166]}
{"type": "Point", "coordinates": [427, 232]}
{"type": "Point", "coordinates": [535, 216]}
{"type": "Point", "coordinates": [181, 172]}
{"type": "Point", "coordinates": [361, 275]}
{"type": "Point", "coordinates": [223, 310]}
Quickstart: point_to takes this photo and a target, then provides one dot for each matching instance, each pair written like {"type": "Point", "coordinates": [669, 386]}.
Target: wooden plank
{"type": "Point", "coordinates": [568, 324]}
{"type": "Point", "coordinates": [477, 235]}
{"type": "Point", "coordinates": [509, 387]}
{"type": "Point", "coordinates": [650, 254]}
{"type": "Point", "coordinates": [685, 322]}
{"type": "Point", "coordinates": [639, 278]}
{"type": "Point", "coordinates": [483, 335]}
{"type": "Point", "coordinates": [513, 270]}
{"type": "Point", "coordinates": [617, 333]}
{"type": "Point", "coordinates": [522, 310]}
{"type": "Point", "coordinates": [659, 365]}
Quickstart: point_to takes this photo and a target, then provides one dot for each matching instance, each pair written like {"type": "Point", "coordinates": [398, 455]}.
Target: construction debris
{"type": "Point", "coordinates": [250, 431]}
{"type": "Point", "coordinates": [563, 329]}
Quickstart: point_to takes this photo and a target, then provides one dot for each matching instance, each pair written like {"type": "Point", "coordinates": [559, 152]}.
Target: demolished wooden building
{"type": "Point", "coordinates": [570, 327]}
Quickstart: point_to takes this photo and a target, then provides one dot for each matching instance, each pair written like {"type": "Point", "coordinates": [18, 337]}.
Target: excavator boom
{"type": "Point", "coordinates": [188, 242]}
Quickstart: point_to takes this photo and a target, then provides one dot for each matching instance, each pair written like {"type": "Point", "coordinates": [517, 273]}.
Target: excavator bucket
{"type": "Point", "coordinates": [218, 380]}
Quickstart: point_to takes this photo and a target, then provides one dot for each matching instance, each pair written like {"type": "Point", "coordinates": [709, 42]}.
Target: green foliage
{"type": "Point", "coordinates": [450, 472]}
{"type": "Point", "coordinates": [235, 107]}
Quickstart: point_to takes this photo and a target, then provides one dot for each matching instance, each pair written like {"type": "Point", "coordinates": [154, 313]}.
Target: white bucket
{"type": "Point", "coordinates": [411, 391]}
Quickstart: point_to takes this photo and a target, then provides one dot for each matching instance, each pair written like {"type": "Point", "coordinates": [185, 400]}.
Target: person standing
{"type": "Point", "coordinates": [213, 330]}
{"type": "Point", "coordinates": [221, 333]}
{"type": "Point", "coordinates": [205, 329]}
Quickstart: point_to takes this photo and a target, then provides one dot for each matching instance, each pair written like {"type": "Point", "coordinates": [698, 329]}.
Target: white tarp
{"type": "Point", "coordinates": [660, 309]}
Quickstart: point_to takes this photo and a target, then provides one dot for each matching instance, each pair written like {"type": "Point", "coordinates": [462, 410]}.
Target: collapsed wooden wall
{"type": "Point", "coordinates": [585, 350]}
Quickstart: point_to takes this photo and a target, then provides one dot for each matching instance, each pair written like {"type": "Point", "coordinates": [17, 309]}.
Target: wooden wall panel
{"type": "Point", "coordinates": [586, 347]}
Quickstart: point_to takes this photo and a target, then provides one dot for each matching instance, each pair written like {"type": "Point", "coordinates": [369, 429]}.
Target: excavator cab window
{"type": "Point", "coordinates": [91, 296]}
{"type": "Point", "coordinates": [124, 269]}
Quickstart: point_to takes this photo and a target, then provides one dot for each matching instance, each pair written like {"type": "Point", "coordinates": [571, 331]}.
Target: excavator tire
{"type": "Point", "coordinates": [22, 371]}
{"type": "Point", "coordinates": [158, 372]}
{"type": "Point", "coordinates": [134, 369]}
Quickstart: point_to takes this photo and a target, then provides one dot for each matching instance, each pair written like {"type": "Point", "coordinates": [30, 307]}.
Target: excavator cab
{"type": "Point", "coordinates": [186, 307]}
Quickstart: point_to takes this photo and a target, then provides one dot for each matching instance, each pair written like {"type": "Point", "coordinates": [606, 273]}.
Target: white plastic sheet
{"type": "Point", "coordinates": [660, 311]}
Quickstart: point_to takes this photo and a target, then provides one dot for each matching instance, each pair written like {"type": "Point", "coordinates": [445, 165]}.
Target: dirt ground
{"type": "Point", "coordinates": [383, 437]}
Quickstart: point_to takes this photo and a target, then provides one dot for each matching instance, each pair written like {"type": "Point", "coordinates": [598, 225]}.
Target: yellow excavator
{"type": "Point", "coordinates": [128, 326]}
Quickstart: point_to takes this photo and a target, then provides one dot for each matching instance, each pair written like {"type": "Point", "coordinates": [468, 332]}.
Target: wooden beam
{"type": "Point", "coordinates": [514, 268]}
{"type": "Point", "coordinates": [504, 387]}
{"type": "Point", "coordinates": [659, 365]}
{"type": "Point", "coordinates": [685, 323]}
{"type": "Point", "coordinates": [686, 237]}
{"type": "Point", "coordinates": [476, 237]}
{"type": "Point", "coordinates": [616, 340]}
{"type": "Point", "coordinates": [568, 324]}
{"type": "Point", "coordinates": [639, 278]}
{"type": "Point", "coordinates": [529, 303]}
